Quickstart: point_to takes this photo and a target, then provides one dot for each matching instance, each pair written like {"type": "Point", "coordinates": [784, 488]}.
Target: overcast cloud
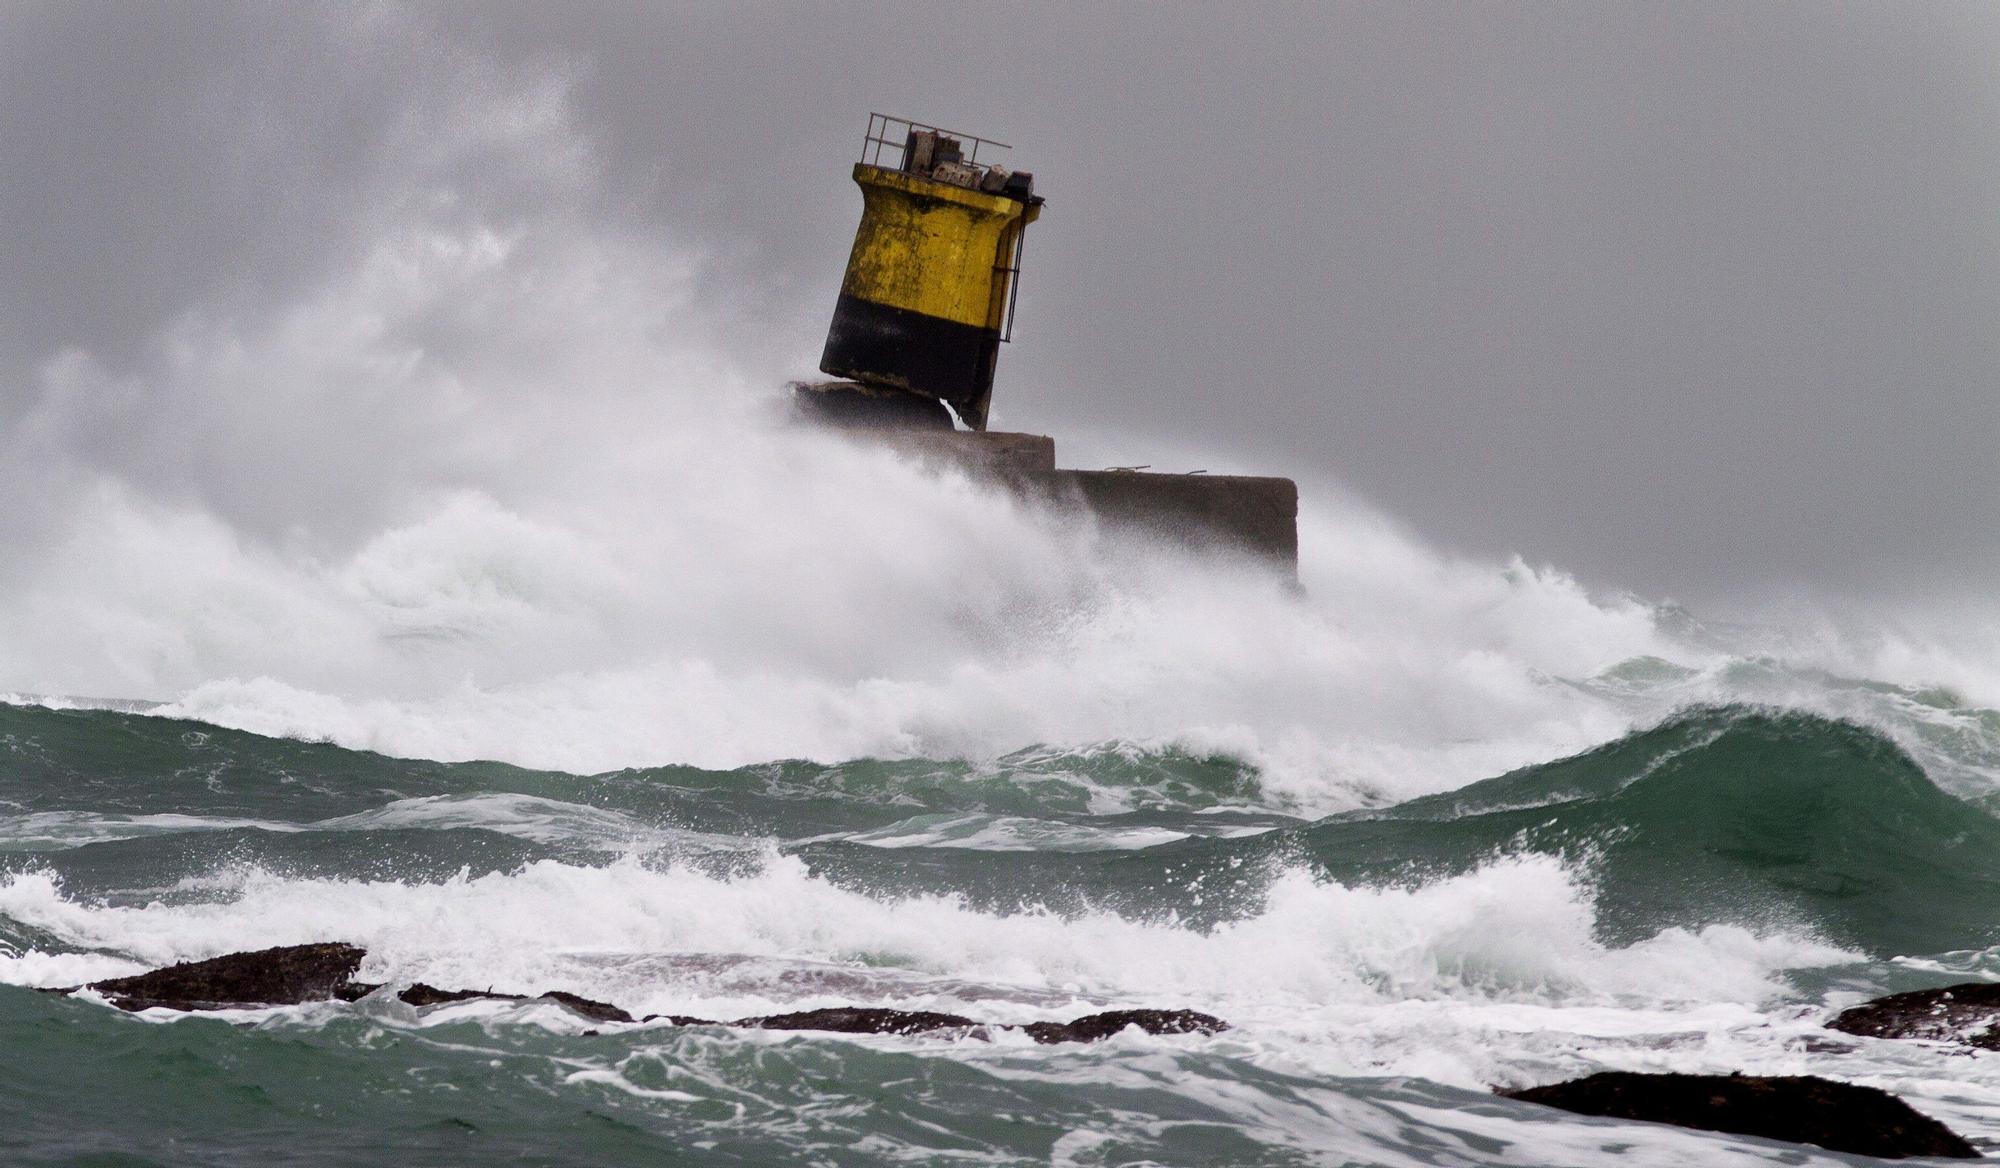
{"type": "Point", "coordinates": [1693, 299]}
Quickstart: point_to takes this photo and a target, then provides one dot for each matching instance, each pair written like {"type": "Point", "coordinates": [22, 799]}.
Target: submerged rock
{"type": "Point", "coordinates": [590, 1008]}
{"type": "Point", "coordinates": [1090, 1028]}
{"type": "Point", "coordinates": [1799, 1109]}
{"type": "Point", "coordinates": [293, 974]}
{"type": "Point", "coordinates": [1093, 1027]}
{"type": "Point", "coordinates": [860, 1020]}
{"type": "Point", "coordinates": [422, 994]}
{"type": "Point", "coordinates": [1958, 1013]}
{"type": "Point", "coordinates": [285, 976]}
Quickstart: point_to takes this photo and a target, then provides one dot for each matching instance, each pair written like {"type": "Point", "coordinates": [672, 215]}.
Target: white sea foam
{"type": "Point", "coordinates": [36, 968]}
{"type": "Point", "coordinates": [528, 817]}
{"type": "Point", "coordinates": [1517, 931]}
{"type": "Point", "coordinates": [1397, 675]}
{"type": "Point", "coordinates": [68, 829]}
{"type": "Point", "coordinates": [579, 542]}
{"type": "Point", "coordinates": [1491, 977]}
{"type": "Point", "coordinates": [1010, 833]}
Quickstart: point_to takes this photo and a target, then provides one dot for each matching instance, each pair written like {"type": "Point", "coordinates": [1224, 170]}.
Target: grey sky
{"type": "Point", "coordinates": [1691, 298]}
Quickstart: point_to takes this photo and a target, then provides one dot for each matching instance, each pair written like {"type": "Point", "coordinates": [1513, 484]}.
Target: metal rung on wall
{"type": "Point", "coordinates": [1012, 270]}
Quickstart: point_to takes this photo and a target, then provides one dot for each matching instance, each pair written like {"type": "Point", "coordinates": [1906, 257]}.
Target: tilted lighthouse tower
{"type": "Point", "coordinates": [929, 293]}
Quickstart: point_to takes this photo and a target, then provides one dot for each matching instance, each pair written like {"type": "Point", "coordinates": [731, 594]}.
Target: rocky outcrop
{"type": "Point", "coordinates": [1089, 1028]}
{"type": "Point", "coordinates": [421, 994]}
{"type": "Point", "coordinates": [1959, 1013]}
{"type": "Point", "coordinates": [590, 1008]}
{"type": "Point", "coordinates": [293, 974]}
{"type": "Point", "coordinates": [284, 976]}
{"type": "Point", "coordinates": [859, 1020]}
{"type": "Point", "coordinates": [1093, 1027]}
{"type": "Point", "coordinates": [1799, 1109]}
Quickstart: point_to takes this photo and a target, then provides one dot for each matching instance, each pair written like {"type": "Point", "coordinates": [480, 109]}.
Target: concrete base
{"type": "Point", "coordinates": [1239, 513]}
{"type": "Point", "coordinates": [851, 405]}
{"type": "Point", "coordinates": [989, 451]}
{"type": "Point", "coordinates": [1244, 513]}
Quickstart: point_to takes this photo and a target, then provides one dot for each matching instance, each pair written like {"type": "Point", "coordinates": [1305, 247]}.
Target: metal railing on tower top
{"type": "Point", "coordinates": [885, 132]}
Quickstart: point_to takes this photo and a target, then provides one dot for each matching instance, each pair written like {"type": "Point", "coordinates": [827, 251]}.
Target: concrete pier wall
{"type": "Point", "coordinates": [1244, 513]}
{"type": "Point", "coordinates": [989, 451]}
{"type": "Point", "coordinates": [1238, 513]}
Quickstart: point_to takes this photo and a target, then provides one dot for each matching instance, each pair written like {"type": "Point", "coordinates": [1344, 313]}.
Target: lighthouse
{"type": "Point", "coordinates": [929, 293]}
{"type": "Point", "coordinates": [926, 302]}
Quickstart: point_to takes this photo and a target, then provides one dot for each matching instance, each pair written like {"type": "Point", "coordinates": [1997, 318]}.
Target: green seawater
{"type": "Point", "coordinates": [1694, 895]}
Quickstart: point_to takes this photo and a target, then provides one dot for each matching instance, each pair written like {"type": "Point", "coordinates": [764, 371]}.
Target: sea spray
{"type": "Point", "coordinates": [490, 476]}
{"type": "Point", "coordinates": [1517, 929]}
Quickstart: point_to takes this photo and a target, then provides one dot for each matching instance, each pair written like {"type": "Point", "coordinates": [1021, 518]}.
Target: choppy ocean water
{"type": "Point", "coordinates": [1695, 894]}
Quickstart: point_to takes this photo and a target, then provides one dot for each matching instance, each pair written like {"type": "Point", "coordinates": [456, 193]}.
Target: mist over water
{"type": "Point", "coordinates": [597, 545]}
{"type": "Point", "coordinates": [505, 477]}
{"type": "Point", "coordinates": [791, 722]}
{"type": "Point", "coordinates": [608, 549]}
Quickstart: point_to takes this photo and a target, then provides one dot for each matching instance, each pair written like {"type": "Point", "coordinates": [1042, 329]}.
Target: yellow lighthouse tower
{"type": "Point", "coordinates": [929, 293]}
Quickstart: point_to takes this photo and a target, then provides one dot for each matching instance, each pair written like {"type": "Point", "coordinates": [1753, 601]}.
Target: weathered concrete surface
{"type": "Point", "coordinates": [1799, 1109]}
{"type": "Point", "coordinates": [1242, 513]}
{"type": "Point", "coordinates": [1958, 1013]}
{"type": "Point", "coordinates": [1238, 513]}
{"type": "Point", "coordinates": [850, 404]}
{"type": "Point", "coordinates": [992, 452]}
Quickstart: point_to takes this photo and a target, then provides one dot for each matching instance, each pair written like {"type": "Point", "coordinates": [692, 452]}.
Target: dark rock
{"type": "Point", "coordinates": [1959, 1013]}
{"type": "Point", "coordinates": [594, 1010]}
{"type": "Point", "coordinates": [860, 1020]}
{"type": "Point", "coordinates": [284, 976]}
{"type": "Point", "coordinates": [1799, 1109]}
{"type": "Point", "coordinates": [294, 974]}
{"type": "Point", "coordinates": [1817, 1045]}
{"type": "Point", "coordinates": [1095, 1027]}
{"type": "Point", "coordinates": [421, 994]}
{"type": "Point", "coordinates": [1091, 1028]}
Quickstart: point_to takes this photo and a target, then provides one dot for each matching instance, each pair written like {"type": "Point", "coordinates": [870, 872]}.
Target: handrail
{"type": "Point", "coordinates": [886, 122]}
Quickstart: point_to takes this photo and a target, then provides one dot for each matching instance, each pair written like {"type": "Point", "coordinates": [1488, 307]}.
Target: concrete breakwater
{"type": "Point", "coordinates": [1253, 515]}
